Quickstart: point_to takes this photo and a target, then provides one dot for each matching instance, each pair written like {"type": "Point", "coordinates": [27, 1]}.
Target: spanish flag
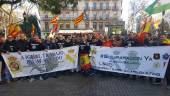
{"type": "Point", "coordinates": [54, 20]}
{"type": "Point", "coordinates": [85, 62]}
{"type": "Point", "coordinates": [79, 19]}
{"type": "Point", "coordinates": [146, 29]}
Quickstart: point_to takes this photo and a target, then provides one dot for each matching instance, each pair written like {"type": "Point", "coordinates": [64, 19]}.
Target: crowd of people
{"type": "Point", "coordinates": [22, 44]}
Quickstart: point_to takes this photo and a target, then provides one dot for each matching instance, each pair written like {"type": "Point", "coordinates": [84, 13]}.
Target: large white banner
{"type": "Point", "coordinates": [40, 62]}
{"type": "Point", "coordinates": [143, 61]}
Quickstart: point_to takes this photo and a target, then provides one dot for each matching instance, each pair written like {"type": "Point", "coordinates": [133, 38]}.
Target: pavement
{"type": "Point", "coordinates": [78, 85]}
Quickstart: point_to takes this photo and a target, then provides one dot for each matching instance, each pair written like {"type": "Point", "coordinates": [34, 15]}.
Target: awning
{"type": "Point", "coordinates": [75, 31]}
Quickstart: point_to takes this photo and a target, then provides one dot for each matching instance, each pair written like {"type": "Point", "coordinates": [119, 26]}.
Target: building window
{"type": "Point", "coordinates": [67, 25]}
{"type": "Point", "coordinates": [94, 25]}
{"type": "Point", "coordinates": [46, 26]}
{"type": "Point", "coordinates": [46, 16]}
{"type": "Point", "coordinates": [101, 16]}
{"type": "Point", "coordinates": [61, 25]}
{"type": "Point", "coordinates": [115, 5]}
{"type": "Point", "coordinates": [94, 5]}
{"type": "Point", "coordinates": [94, 16]}
{"type": "Point", "coordinates": [86, 6]}
{"type": "Point", "coordinates": [87, 25]}
{"type": "Point", "coordinates": [75, 27]}
{"type": "Point", "coordinates": [101, 25]}
{"type": "Point", "coordinates": [107, 16]}
{"type": "Point", "coordinates": [106, 24]}
{"type": "Point", "coordinates": [107, 5]}
{"type": "Point", "coordinates": [101, 5]}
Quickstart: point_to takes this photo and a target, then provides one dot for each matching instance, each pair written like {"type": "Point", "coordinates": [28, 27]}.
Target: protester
{"type": "Point", "coordinates": [36, 45]}
{"type": "Point", "coordinates": [84, 41]}
{"type": "Point", "coordinates": [9, 46]}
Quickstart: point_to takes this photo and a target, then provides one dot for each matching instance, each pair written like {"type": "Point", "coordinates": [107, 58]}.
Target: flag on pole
{"type": "Point", "coordinates": [146, 29]}
{"type": "Point", "coordinates": [54, 21]}
{"type": "Point", "coordinates": [14, 30]}
{"type": "Point", "coordinates": [157, 23]}
{"type": "Point", "coordinates": [55, 28]}
{"type": "Point", "coordinates": [158, 6]}
{"type": "Point", "coordinates": [79, 19]}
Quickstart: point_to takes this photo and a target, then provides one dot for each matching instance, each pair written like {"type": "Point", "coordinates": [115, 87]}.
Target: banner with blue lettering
{"type": "Point", "coordinates": [143, 61]}
{"type": "Point", "coordinates": [41, 62]}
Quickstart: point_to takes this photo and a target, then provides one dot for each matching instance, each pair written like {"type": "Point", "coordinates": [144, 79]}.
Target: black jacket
{"type": "Point", "coordinates": [9, 46]}
{"type": "Point", "coordinates": [22, 45]}
{"type": "Point", "coordinates": [36, 46]}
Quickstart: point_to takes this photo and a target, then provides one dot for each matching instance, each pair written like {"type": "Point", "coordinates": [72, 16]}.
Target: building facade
{"type": "Point", "coordinates": [99, 14]}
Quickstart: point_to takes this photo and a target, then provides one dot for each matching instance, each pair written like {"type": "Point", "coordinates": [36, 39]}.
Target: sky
{"type": "Point", "coordinates": [125, 7]}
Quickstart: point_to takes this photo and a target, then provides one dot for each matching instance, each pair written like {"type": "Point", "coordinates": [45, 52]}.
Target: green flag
{"type": "Point", "coordinates": [158, 6]}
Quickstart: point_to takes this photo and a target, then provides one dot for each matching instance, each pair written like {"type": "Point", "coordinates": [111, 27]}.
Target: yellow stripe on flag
{"type": "Point", "coordinates": [147, 27]}
{"type": "Point", "coordinates": [79, 19]}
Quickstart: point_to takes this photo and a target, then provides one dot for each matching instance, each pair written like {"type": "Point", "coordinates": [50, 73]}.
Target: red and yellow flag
{"type": "Point", "coordinates": [54, 21]}
{"type": "Point", "coordinates": [14, 30]}
{"type": "Point", "coordinates": [79, 19]}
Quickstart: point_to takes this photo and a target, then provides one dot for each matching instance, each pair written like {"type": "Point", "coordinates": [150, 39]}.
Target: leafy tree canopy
{"type": "Point", "coordinates": [53, 6]}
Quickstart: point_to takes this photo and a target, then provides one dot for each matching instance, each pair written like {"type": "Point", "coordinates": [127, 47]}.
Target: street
{"type": "Point", "coordinates": [78, 85]}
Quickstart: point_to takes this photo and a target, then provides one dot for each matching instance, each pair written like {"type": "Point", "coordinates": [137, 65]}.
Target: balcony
{"type": "Point", "coordinates": [115, 9]}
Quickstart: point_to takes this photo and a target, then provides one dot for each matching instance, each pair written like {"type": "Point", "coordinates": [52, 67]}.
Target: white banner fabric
{"type": "Point", "coordinates": [41, 62]}
{"type": "Point", "coordinates": [143, 61]}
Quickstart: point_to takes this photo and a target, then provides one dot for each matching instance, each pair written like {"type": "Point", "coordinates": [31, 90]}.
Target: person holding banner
{"type": "Point", "coordinates": [68, 42]}
{"type": "Point", "coordinates": [36, 45]}
{"type": "Point", "coordinates": [61, 41]}
{"type": "Point", "coordinates": [22, 44]}
{"type": "Point", "coordinates": [84, 57]}
{"type": "Point", "coordinates": [51, 43]}
{"type": "Point", "coordinates": [2, 64]}
{"type": "Point", "coordinates": [9, 46]}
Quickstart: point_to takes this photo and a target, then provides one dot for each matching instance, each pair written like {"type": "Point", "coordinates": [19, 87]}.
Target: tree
{"type": "Point", "coordinates": [137, 7]}
{"type": "Point", "coordinates": [53, 6]}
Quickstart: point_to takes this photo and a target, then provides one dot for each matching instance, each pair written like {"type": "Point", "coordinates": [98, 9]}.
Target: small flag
{"type": "Point", "coordinates": [55, 29]}
{"type": "Point", "coordinates": [54, 21]}
{"type": "Point", "coordinates": [79, 19]}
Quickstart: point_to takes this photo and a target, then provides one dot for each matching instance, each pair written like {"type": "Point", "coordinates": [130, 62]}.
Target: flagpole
{"type": "Point", "coordinates": [163, 23]}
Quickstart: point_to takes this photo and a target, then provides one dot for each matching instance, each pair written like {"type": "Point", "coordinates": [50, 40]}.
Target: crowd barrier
{"type": "Point", "coordinates": [142, 61]}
